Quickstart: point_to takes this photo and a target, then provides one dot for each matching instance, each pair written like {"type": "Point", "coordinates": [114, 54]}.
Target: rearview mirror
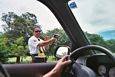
{"type": "Point", "coordinates": [62, 51]}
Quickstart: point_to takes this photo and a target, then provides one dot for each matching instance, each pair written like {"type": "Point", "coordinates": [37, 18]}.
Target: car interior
{"type": "Point", "coordinates": [88, 60]}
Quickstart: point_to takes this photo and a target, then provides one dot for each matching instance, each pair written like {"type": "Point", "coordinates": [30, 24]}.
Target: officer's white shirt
{"type": "Point", "coordinates": [32, 44]}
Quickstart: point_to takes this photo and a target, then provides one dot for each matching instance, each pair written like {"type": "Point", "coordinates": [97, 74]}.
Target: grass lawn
{"type": "Point", "coordinates": [28, 59]}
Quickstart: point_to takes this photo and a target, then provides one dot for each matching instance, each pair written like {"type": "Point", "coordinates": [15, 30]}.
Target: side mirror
{"type": "Point", "coordinates": [62, 51]}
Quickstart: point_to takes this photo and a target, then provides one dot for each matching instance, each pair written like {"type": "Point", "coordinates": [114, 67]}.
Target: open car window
{"type": "Point", "coordinates": [17, 18]}
{"type": "Point", "coordinates": [96, 19]}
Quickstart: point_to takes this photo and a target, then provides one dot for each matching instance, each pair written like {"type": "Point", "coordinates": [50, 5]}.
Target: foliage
{"type": "Point", "coordinates": [111, 45]}
{"type": "Point", "coordinates": [62, 39]}
{"type": "Point", "coordinates": [3, 50]}
{"type": "Point", "coordinates": [16, 32]}
{"type": "Point", "coordinates": [19, 28]}
{"type": "Point", "coordinates": [98, 40]}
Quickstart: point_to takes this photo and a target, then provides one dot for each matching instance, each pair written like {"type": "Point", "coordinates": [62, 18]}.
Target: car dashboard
{"type": "Point", "coordinates": [102, 65]}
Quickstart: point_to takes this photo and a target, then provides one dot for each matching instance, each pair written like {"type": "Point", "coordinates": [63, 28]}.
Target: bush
{"type": "Point", "coordinates": [3, 56]}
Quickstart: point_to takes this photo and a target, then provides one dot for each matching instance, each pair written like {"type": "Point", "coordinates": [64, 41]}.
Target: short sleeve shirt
{"type": "Point", "coordinates": [33, 45]}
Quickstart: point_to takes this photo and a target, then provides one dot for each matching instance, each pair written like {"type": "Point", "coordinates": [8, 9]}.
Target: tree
{"type": "Point", "coordinates": [3, 49]}
{"type": "Point", "coordinates": [17, 31]}
{"type": "Point", "coordinates": [111, 45]}
{"type": "Point", "coordinates": [96, 39]}
{"type": "Point", "coordinates": [62, 40]}
{"type": "Point", "coordinates": [19, 25]}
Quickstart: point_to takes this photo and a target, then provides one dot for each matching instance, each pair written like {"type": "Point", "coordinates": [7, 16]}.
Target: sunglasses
{"type": "Point", "coordinates": [38, 31]}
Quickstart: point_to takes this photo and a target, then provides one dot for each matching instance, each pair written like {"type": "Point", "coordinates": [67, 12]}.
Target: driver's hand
{"type": "Point", "coordinates": [63, 62]}
{"type": "Point", "coordinates": [57, 70]}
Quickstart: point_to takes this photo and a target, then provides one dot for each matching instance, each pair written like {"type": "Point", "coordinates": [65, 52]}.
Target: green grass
{"type": "Point", "coordinates": [23, 60]}
{"type": "Point", "coordinates": [51, 58]}
{"type": "Point", "coordinates": [28, 59]}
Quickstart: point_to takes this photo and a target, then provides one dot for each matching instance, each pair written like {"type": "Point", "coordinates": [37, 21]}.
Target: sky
{"type": "Point", "coordinates": [108, 34]}
{"type": "Point", "coordinates": [44, 16]}
{"type": "Point", "coordinates": [93, 15]}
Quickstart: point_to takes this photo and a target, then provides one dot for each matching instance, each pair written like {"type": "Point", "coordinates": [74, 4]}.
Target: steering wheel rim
{"type": "Point", "coordinates": [76, 53]}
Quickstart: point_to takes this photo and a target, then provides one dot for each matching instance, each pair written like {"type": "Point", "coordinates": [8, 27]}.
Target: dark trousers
{"type": "Point", "coordinates": [36, 59]}
{"type": "Point", "coordinates": [33, 57]}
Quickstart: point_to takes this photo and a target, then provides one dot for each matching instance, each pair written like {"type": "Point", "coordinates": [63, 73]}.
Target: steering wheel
{"type": "Point", "coordinates": [78, 70]}
{"type": "Point", "coordinates": [76, 53]}
{"type": "Point", "coordinates": [3, 72]}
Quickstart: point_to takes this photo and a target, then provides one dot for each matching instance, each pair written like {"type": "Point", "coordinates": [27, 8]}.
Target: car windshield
{"type": "Point", "coordinates": [96, 19]}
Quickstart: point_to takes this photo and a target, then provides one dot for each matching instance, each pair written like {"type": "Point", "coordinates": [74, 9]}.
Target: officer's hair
{"type": "Point", "coordinates": [36, 26]}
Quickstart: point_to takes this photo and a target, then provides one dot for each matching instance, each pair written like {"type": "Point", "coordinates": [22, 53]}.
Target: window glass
{"type": "Point", "coordinates": [96, 19]}
{"type": "Point", "coordinates": [17, 20]}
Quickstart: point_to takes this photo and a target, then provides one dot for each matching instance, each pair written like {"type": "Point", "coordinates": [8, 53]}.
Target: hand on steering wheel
{"type": "Point", "coordinates": [77, 70]}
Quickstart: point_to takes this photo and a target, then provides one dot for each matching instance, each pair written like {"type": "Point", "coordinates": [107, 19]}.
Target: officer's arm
{"type": "Point", "coordinates": [44, 43]}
